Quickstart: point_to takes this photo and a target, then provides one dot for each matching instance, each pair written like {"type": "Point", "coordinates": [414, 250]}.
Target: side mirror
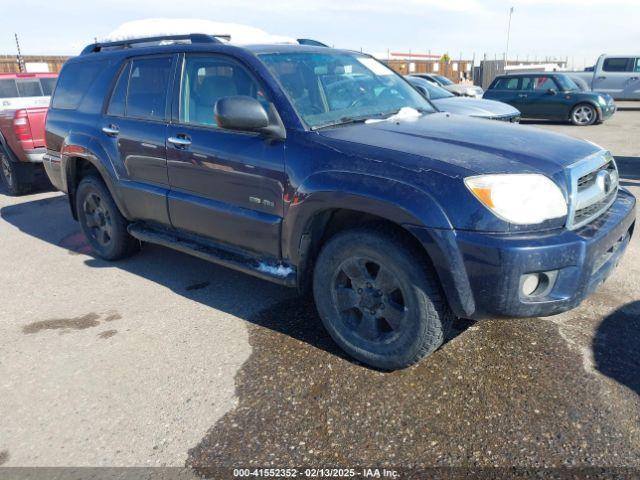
{"type": "Point", "coordinates": [423, 91]}
{"type": "Point", "coordinates": [552, 91]}
{"type": "Point", "coordinates": [241, 113]}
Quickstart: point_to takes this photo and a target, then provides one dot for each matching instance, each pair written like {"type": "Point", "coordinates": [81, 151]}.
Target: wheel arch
{"type": "Point", "coordinates": [82, 155]}
{"type": "Point", "coordinates": [334, 201]}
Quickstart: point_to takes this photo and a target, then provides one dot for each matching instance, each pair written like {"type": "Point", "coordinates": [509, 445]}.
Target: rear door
{"type": "Point", "coordinates": [226, 186]}
{"type": "Point", "coordinates": [632, 87]}
{"type": "Point", "coordinates": [615, 75]}
{"type": "Point", "coordinates": [134, 130]}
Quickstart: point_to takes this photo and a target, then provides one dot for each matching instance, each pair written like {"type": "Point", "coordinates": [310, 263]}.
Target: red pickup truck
{"type": "Point", "coordinates": [21, 147]}
{"type": "Point", "coordinates": [24, 100]}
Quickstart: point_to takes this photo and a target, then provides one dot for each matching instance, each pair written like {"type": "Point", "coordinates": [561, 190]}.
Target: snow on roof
{"type": "Point", "coordinates": [156, 27]}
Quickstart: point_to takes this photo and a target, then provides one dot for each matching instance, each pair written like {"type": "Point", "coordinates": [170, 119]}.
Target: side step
{"type": "Point", "coordinates": [268, 268]}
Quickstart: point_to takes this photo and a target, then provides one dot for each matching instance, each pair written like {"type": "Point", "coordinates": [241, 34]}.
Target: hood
{"type": "Point", "coordinates": [474, 145]}
{"type": "Point", "coordinates": [475, 107]}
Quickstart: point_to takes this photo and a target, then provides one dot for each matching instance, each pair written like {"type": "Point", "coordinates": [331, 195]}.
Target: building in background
{"type": "Point", "coordinates": [32, 63]}
{"type": "Point", "coordinates": [408, 63]}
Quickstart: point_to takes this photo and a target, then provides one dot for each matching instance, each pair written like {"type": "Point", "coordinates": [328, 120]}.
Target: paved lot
{"type": "Point", "coordinates": [164, 359]}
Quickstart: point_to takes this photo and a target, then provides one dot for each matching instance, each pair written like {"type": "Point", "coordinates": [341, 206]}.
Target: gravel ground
{"type": "Point", "coordinates": [164, 359]}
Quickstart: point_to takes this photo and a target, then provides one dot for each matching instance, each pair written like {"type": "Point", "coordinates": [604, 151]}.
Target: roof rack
{"type": "Point", "coordinates": [130, 43]}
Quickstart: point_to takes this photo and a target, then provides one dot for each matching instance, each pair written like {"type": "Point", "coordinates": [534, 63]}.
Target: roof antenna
{"type": "Point", "coordinates": [19, 59]}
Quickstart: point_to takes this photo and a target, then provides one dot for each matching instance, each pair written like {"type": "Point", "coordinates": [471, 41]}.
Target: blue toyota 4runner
{"type": "Point", "coordinates": [322, 169]}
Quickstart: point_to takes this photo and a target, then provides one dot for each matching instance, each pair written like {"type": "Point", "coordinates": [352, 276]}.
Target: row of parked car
{"type": "Point", "coordinates": [547, 96]}
{"type": "Point", "coordinates": [323, 170]}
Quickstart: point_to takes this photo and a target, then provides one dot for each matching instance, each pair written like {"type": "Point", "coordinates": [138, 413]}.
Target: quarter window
{"type": "Point", "coordinates": [148, 85]}
{"type": "Point", "coordinates": [506, 84]}
{"type": "Point", "coordinates": [73, 83]}
{"type": "Point", "coordinates": [616, 64]}
{"type": "Point", "coordinates": [637, 69]}
{"type": "Point", "coordinates": [207, 79]}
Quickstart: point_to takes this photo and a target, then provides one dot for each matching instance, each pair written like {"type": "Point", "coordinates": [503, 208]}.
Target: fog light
{"type": "Point", "coordinates": [530, 283]}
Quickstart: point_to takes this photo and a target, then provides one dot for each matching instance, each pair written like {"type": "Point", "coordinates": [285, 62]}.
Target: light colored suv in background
{"type": "Point", "coordinates": [617, 75]}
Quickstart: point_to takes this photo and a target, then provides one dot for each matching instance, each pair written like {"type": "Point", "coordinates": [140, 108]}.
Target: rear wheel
{"type": "Point", "coordinates": [584, 114]}
{"type": "Point", "coordinates": [17, 178]}
{"type": "Point", "coordinates": [101, 221]}
{"type": "Point", "coordinates": [379, 300]}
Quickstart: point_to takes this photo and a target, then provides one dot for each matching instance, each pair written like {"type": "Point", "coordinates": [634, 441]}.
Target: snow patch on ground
{"type": "Point", "coordinates": [156, 27]}
{"type": "Point", "coordinates": [405, 113]}
{"type": "Point", "coordinates": [281, 271]}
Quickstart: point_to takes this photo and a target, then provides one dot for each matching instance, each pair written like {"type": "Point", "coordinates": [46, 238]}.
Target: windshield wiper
{"type": "Point", "coordinates": [362, 119]}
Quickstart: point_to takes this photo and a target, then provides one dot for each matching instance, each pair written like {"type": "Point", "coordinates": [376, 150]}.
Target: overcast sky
{"type": "Point", "coordinates": [577, 29]}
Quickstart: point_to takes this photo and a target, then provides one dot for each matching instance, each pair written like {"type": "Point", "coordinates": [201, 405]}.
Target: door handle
{"type": "Point", "coordinates": [111, 130]}
{"type": "Point", "coordinates": [180, 141]}
{"type": "Point", "coordinates": [522, 95]}
{"type": "Point", "coordinates": [634, 78]}
{"type": "Point", "coordinates": [602, 78]}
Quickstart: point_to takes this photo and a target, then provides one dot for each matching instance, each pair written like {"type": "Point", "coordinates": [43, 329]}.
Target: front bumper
{"type": "Point", "coordinates": [481, 273]}
{"type": "Point", "coordinates": [608, 111]}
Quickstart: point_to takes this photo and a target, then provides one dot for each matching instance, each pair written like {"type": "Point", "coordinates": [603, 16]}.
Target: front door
{"type": "Point", "coordinates": [226, 186]}
{"type": "Point", "coordinates": [615, 76]}
{"type": "Point", "coordinates": [135, 132]}
{"type": "Point", "coordinates": [540, 97]}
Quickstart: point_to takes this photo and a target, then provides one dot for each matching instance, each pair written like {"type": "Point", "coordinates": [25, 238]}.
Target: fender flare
{"type": "Point", "coordinates": [392, 200]}
{"type": "Point", "coordinates": [82, 146]}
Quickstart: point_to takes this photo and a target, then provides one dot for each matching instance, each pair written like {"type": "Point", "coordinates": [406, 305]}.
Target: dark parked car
{"type": "Point", "coordinates": [551, 96]}
{"type": "Point", "coordinates": [473, 107]}
{"type": "Point", "coordinates": [323, 169]}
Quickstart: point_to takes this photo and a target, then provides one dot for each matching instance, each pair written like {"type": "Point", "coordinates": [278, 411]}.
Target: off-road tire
{"type": "Point", "coordinates": [103, 225]}
{"type": "Point", "coordinates": [426, 317]}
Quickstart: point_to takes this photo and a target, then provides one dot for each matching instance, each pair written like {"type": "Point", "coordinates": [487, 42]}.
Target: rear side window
{"type": "Point", "coordinates": [148, 85]}
{"type": "Point", "coordinates": [506, 84]}
{"type": "Point", "coordinates": [8, 89]}
{"type": "Point", "coordinates": [119, 96]}
{"type": "Point", "coordinates": [616, 64]}
{"type": "Point", "coordinates": [73, 83]}
{"type": "Point", "coordinates": [637, 69]}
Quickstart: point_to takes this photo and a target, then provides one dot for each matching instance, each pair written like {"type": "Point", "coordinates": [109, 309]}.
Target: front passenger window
{"type": "Point", "coordinates": [207, 79]}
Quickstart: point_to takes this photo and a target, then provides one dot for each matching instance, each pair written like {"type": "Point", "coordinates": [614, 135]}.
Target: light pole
{"type": "Point", "coordinates": [506, 53]}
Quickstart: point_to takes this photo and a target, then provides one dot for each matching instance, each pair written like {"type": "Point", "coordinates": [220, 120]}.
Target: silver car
{"type": "Point", "coordinates": [455, 88]}
{"type": "Point", "coordinates": [471, 107]}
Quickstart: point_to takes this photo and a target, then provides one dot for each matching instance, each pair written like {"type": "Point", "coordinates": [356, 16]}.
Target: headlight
{"type": "Point", "coordinates": [602, 101]}
{"type": "Point", "coordinates": [523, 199]}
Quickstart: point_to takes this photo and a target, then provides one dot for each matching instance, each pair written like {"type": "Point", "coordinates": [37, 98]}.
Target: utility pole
{"type": "Point", "coordinates": [506, 53]}
{"type": "Point", "coordinates": [21, 66]}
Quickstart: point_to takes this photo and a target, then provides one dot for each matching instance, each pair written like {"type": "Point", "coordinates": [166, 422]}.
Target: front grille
{"type": "Point", "coordinates": [593, 188]}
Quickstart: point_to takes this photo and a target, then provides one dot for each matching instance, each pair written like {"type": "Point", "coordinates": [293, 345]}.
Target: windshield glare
{"type": "Point", "coordinates": [566, 83]}
{"type": "Point", "coordinates": [333, 88]}
{"type": "Point", "coordinates": [435, 92]}
{"type": "Point", "coordinates": [444, 80]}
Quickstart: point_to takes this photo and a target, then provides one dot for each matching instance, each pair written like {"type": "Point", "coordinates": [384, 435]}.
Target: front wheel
{"type": "Point", "coordinates": [101, 221]}
{"type": "Point", "coordinates": [379, 300]}
{"type": "Point", "coordinates": [584, 114]}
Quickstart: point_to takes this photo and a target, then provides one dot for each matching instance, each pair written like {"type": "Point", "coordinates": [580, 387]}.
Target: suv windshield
{"type": "Point", "coordinates": [334, 88]}
{"type": "Point", "coordinates": [566, 83]}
